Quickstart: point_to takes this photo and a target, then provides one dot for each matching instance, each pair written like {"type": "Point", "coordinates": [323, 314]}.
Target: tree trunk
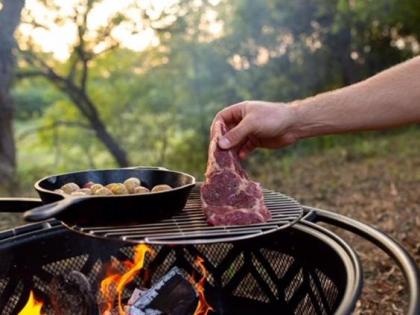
{"type": "Point", "coordinates": [110, 143]}
{"type": "Point", "coordinates": [9, 20]}
{"type": "Point", "coordinates": [348, 66]}
{"type": "Point", "coordinates": [89, 110]}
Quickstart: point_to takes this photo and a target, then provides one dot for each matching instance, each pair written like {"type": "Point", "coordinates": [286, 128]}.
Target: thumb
{"type": "Point", "coordinates": [235, 136]}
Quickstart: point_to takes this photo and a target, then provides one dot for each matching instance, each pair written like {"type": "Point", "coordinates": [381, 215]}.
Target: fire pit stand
{"type": "Point", "coordinates": [391, 247]}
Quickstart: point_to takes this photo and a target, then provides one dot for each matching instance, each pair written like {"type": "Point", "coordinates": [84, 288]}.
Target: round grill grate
{"type": "Point", "coordinates": [190, 226]}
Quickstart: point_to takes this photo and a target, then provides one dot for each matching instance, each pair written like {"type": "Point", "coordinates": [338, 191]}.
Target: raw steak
{"type": "Point", "coordinates": [227, 195]}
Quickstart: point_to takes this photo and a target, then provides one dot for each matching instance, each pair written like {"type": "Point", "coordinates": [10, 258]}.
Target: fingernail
{"type": "Point", "coordinates": [224, 143]}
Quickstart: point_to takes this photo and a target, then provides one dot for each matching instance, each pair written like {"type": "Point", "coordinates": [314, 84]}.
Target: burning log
{"type": "Point", "coordinates": [112, 287]}
{"type": "Point", "coordinates": [71, 294]}
{"type": "Point", "coordinates": [171, 295]}
{"type": "Point", "coordinates": [174, 294]}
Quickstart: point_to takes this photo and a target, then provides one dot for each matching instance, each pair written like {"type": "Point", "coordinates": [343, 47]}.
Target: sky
{"type": "Point", "coordinates": [58, 38]}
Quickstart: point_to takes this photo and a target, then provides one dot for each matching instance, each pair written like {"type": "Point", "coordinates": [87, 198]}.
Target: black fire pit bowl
{"type": "Point", "coordinates": [301, 270]}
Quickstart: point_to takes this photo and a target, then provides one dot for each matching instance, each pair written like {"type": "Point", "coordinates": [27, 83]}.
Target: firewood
{"type": "Point", "coordinates": [71, 293]}
{"type": "Point", "coordinates": [171, 295]}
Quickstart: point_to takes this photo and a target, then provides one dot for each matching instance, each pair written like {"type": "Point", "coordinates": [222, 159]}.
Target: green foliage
{"type": "Point", "coordinates": [32, 99]}
{"type": "Point", "coordinates": [159, 103]}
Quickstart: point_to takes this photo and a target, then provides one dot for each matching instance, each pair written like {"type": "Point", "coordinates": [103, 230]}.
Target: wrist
{"type": "Point", "coordinates": [297, 119]}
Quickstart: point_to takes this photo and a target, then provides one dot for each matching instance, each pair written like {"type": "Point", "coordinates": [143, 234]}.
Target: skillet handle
{"type": "Point", "coordinates": [50, 210]}
{"type": "Point", "coordinates": [18, 205]}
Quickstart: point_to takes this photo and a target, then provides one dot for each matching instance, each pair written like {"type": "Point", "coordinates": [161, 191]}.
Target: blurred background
{"type": "Point", "coordinates": [102, 83]}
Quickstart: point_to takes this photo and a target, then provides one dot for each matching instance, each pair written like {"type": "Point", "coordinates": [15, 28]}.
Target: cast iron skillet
{"type": "Point", "coordinates": [112, 210]}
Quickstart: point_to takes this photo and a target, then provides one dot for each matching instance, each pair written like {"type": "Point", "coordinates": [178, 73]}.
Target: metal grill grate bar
{"type": "Point", "coordinates": [188, 222]}
{"type": "Point", "coordinates": [186, 230]}
{"type": "Point", "coordinates": [190, 225]}
{"type": "Point", "coordinates": [196, 233]}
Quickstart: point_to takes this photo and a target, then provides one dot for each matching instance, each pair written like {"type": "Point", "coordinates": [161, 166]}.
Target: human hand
{"type": "Point", "coordinates": [253, 124]}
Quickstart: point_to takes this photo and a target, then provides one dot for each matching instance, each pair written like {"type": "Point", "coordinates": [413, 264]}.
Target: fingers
{"type": "Point", "coordinates": [236, 135]}
{"type": "Point", "coordinates": [231, 116]}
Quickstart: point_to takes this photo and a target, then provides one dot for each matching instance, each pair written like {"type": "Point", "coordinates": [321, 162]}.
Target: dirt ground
{"type": "Point", "coordinates": [378, 188]}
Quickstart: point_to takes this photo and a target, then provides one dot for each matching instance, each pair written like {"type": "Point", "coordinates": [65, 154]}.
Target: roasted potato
{"type": "Point", "coordinates": [109, 186]}
{"type": "Point", "coordinates": [70, 187]}
{"type": "Point", "coordinates": [78, 193]}
{"type": "Point", "coordinates": [141, 190]}
{"type": "Point", "coordinates": [119, 189]}
{"type": "Point", "coordinates": [86, 191]}
{"type": "Point", "coordinates": [94, 188]}
{"type": "Point", "coordinates": [162, 187]}
{"type": "Point", "coordinates": [88, 184]}
{"type": "Point", "coordinates": [103, 192]}
{"type": "Point", "coordinates": [131, 184]}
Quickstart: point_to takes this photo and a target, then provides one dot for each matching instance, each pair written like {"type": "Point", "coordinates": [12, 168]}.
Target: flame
{"type": "Point", "coordinates": [119, 281]}
{"type": "Point", "coordinates": [203, 308]}
{"type": "Point", "coordinates": [32, 307]}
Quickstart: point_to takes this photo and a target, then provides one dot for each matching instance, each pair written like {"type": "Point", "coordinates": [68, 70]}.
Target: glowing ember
{"type": "Point", "coordinates": [203, 308]}
{"type": "Point", "coordinates": [119, 281]}
{"type": "Point", "coordinates": [32, 307]}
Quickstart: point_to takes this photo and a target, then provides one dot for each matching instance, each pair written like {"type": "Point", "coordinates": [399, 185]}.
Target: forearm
{"type": "Point", "coordinates": [388, 99]}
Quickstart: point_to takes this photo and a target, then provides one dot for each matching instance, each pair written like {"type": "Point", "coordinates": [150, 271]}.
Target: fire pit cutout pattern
{"type": "Point", "coordinates": [246, 277]}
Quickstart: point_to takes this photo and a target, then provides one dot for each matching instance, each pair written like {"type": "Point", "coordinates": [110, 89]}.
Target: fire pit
{"type": "Point", "coordinates": [281, 271]}
{"type": "Point", "coordinates": [304, 269]}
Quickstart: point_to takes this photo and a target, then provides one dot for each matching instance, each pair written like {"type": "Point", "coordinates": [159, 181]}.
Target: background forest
{"type": "Point", "coordinates": [137, 83]}
{"type": "Point", "coordinates": [102, 83]}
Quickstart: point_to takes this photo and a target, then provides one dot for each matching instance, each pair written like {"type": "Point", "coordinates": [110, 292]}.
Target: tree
{"type": "Point", "coordinates": [73, 79]}
{"type": "Point", "coordinates": [200, 76]}
{"type": "Point", "coordinates": [10, 11]}
{"type": "Point", "coordinates": [159, 102]}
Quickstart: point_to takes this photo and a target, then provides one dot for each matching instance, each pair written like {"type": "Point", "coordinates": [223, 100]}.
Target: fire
{"type": "Point", "coordinates": [113, 285]}
{"type": "Point", "coordinates": [203, 308]}
{"type": "Point", "coordinates": [32, 307]}
{"type": "Point", "coordinates": [119, 281]}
